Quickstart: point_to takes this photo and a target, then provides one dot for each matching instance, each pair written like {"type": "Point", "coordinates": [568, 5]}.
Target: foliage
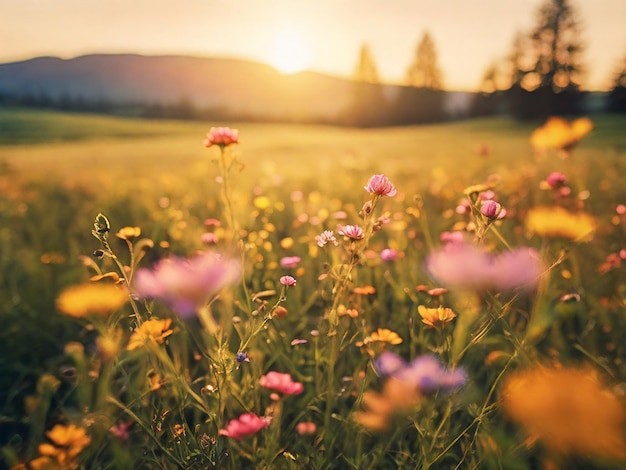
{"type": "Point", "coordinates": [317, 355]}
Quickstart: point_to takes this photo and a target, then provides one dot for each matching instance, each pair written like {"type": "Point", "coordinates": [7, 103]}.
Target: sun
{"type": "Point", "coordinates": [289, 52]}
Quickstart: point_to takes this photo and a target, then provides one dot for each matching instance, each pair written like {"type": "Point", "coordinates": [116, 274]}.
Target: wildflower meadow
{"type": "Point", "coordinates": [395, 304]}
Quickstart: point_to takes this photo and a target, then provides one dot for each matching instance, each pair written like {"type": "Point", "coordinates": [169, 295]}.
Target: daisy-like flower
{"type": "Point", "coordinates": [187, 285]}
{"type": "Point", "coordinates": [282, 383]}
{"type": "Point", "coordinates": [245, 425]}
{"type": "Point", "coordinates": [287, 281]}
{"type": "Point", "coordinates": [381, 186]}
{"type": "Point", "coordinates": [383, 335]}
{"type": "Point", "coordinates": [325, 237]}
{"type": "Point", "coordinates": [436, 317]}
{"type": "Point", "coordinates": [353, 232]}
{"type": "Point", "coordinates": [492, 210]}
{"type": "Point", "coordinates": [67, 442]}
{"type": "Point", "coordinates": [154, 330]}
{"type": "Point", "coordinates": [221, 136]}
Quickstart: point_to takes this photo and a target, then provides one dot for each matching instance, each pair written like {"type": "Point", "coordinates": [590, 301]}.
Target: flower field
{"type": "Point", "coordinates": [177, 295]}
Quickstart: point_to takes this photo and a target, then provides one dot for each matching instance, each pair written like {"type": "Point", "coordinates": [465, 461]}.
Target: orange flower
{"type": "Point", "coordinates": [568, 409]}
{"type": "Point", "coordinates": [91, 298]}
{"type": "Point", "coordinates": [152, 330]}
{"type": "Point", "coordinates": [558, 222]}
{"type": "Point", "coordinates": [397, 396]}
{"type": "Point", "coordinates": [383, 335]}
{"type": "Point", "coordinates": [436, 317]}
{"type": "Point", "coordinates": [364, 290]}
{"type": "Point", "coordinates": [67, 443]}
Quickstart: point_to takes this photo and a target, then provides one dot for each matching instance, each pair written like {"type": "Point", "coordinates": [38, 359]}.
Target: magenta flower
{"type": "Point", "coordinates": [246, 424]}
{"type": "Point", "coordinates": [426, 372]}
{"type": "Point", "coordinates": [463, 265]}
{"type": "Point", "coordinates": [209, 238]}
{"type": "Point", "coordinates": [492, 210]}
{"type": "Point", "coordinates": [289, 262]}
{"type": "Point", "coordinates": [325, 237]}
{"type": "Point", "coordinates": [221, 136]}
{"type": "Point", "coordinates": [186, 285]}
{"type": "Point", "coordinates": [389, 254]}
{"type": "Point", "coordinates": [282, 383]}
{"type": "Point", "coordinates": [287, 281]}
{"type": "Point", "coordinates": [556, 179]}
{"type": "Point", "coordinates": [381, 186]}
{"type": "Point", "coordinates": [351, 231]}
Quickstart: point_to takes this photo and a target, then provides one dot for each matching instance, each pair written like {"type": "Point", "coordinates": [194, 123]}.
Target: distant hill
{"type": "Point", "coordinates": [238, 88]}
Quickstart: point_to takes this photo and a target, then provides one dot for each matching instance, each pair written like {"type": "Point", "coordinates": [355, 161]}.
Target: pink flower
{"type": "Point", "coordinates": [463, 265]}
{"type": "Point", "coordinates": [208, 238]}
{"type": "Point", "coordinates": [246, 424]}
{"type": "Point", "coordinates": [289, 262]}
{"type": "Point", "coordinates": [221, 136]}
{"type": "Point", "coordinates": [556, 179]}
{"type": "Point", "coordinates": [186, 285]}
{"type": "Point", "coordinates": [282, 383]}
{"type": "Point", "coordinates": [351, 231]}
{"type": "Point", "coordinates": [306, 427]}
{"type": "Point", "coordinates": [325, 237]}
{"type": "Point", "coordinates": [381, 186]}
{"type": "Point", "coordinates": [492, 210]}
{"type": "Point", "coordinates": [389, 254]}
{"type": "Point", "coordinates": [288, 281]}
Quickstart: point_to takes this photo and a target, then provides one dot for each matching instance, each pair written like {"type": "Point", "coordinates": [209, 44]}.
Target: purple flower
{"type": "Point", "coordinates": [463, 265]}
{"type": "Point", "coordinates": [242, 357]}
{"type": "Point", "coordinates": [556, 179]}
{"type": "Point", "coordinates": [186, 284]}
{"type": "Point", "coordinates": [325, 237]}
{"type": "Point", "coordinates": [381, 186]}
{"type": "Point", "coordinates": [351, 231]}
{"type": "Point", "coordinates": [288, 281]}
{"type": "Point", "coordinates": [389, 254]}
{"type": "Point", "coordinates": [289, 262]}
{"type": "Point", "coordinates": [492, 210]}
{"type": "Point", "coordinates": [426, 372]}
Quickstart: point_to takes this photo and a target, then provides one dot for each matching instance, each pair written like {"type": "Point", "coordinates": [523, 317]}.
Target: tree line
{"type": "Point", "coordinates": [540, 77]}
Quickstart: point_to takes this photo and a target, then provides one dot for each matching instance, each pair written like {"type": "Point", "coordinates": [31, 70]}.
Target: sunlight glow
{"type": "Point", "coordinates": [290, 53]}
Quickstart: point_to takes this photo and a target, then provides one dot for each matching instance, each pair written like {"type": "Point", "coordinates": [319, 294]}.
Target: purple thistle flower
{"type": "Point", "coordinates": [186, 284]}
{"type": "Point", "coordinates": [492, 210]}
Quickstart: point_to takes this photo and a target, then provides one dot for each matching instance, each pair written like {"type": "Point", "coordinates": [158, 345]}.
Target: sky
{"type": "Point", "coordinates": [320, 35]}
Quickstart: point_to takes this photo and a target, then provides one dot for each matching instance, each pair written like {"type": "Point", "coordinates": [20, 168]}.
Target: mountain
{"type": "Point", "coordinates": [242, 87]}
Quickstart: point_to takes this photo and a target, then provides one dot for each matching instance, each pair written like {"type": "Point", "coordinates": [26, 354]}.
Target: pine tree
{"type": "Point", "coordinates": [424, 72]}
{"type": "Point", "coordinates": [365, 70]}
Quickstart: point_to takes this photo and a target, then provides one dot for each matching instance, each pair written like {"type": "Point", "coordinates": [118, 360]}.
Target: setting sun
{"type": "Point", "coordinates": [289, 53]}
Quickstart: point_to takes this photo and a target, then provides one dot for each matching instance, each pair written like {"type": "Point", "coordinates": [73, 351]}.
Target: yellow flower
{"type": "Point", "coordinates": [128, 233]}
{"type": "Point", "coordinates": [396, 397]}
{"type": "Point", "coordinates": [383, 335]}
{"type": "Point", "coordinates": [557, 133]}
{"type": "Point", "coordinates": [568, 409]}
{"type": "Point", "coordinates": [67, 443]}
{"type": "Point", "coordinates": [435, 317]}
{"type": "Point", "coordinates": [558, 222]}
{"type": "Point", "coordinates": [152, 330]}
{"type": "Point", "coordinates": [91, 298]}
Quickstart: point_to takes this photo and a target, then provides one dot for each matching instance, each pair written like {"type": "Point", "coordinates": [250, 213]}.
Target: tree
{"type": "Point", "coordinates": [424, 72]}
{"type": "Point", "coordinates": [616, 100]}
{"type": "Point", "coordinates": [557, 46]}
{"type": "Point", "coordinates": [547, 72]}
{"type": "Point", "coordinates": [368, 106]}
{"type": "Point", "coordinates": [365, 70]}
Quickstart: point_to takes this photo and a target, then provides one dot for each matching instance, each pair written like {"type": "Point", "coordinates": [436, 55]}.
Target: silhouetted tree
{"type": "Point", "coordinates": [424, 72]}
{"type": "Point", "coordinates": [616, 100]}
{"type": "Point", "coordinates": [489, 100]}
{"type": "Point", "coordinates": [368, 106]}
{"type": "Point", "coordinates": [546, 75]}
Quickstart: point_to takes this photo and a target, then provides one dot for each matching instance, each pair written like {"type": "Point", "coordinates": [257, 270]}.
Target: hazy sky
{"type": "Point", "coordinates": [323, 35]}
